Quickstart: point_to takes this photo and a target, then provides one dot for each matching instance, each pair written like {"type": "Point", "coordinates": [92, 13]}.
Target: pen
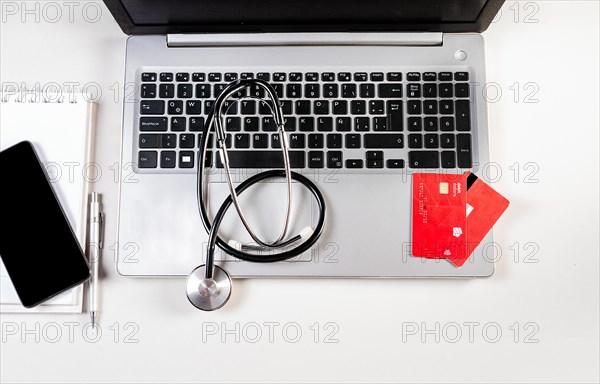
{"type": "Point", "coordinates": [95, 251]}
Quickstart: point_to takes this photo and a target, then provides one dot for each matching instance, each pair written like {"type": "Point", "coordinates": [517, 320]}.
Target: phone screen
{"type": "Point", "coordinates": [38, 247]}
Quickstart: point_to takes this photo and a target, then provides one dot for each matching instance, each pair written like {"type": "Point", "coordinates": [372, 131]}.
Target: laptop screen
{"type": "Point", "coordinates": [303, 15]}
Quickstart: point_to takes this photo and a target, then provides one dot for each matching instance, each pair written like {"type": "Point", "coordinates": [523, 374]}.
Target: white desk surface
{"type": "Point", "coordinates": [546, 306]}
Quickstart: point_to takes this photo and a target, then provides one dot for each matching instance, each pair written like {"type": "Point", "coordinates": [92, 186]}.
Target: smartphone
{"type": "Point", "coordinates": [38, 247]}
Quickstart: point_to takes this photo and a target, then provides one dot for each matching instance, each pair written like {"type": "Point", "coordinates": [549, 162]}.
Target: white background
{"type": "Point", "coordinates": [552, 295]}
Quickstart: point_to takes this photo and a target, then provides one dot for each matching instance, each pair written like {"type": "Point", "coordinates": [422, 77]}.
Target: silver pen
{"type": "Point", "coordinates": [95, 252]}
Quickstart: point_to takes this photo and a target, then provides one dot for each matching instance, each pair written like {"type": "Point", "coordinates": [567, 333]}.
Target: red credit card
{"type": "Point", "coordinates": [484, 208]}
{"type": "Point", "coordinates": [439, 218]}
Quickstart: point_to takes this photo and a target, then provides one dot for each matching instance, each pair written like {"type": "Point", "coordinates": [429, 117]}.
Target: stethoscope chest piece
{"type": "Point", "coordinates": [208, 294]}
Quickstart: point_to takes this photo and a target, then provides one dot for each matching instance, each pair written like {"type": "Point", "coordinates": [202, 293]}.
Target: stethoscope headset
{"type": "Point", "coordinates": [209, 286]}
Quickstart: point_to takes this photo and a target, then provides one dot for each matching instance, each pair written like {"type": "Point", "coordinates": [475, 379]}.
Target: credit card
{"type": "Point", "coordinates": [484, 208]}
{"type": "Point", "coordinates": [439, 219]}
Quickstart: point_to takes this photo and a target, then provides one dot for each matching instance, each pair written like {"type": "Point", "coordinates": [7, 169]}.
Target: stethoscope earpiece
{"type": "Point", "coordinates": [205, 293]}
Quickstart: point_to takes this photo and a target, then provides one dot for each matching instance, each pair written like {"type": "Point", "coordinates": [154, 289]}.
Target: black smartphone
{"type": "Point", "coordinates": [38, 247]}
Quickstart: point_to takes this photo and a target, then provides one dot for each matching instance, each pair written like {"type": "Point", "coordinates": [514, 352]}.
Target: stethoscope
{"type": "Point", "coordinates": [209, 286]}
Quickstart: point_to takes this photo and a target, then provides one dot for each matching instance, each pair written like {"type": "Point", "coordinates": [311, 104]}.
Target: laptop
{"type": "Point", "coordinates": [371, 92]}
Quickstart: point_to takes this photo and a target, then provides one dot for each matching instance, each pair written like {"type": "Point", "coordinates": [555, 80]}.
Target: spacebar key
{"type": "Point", "coordinates": [262, 159]}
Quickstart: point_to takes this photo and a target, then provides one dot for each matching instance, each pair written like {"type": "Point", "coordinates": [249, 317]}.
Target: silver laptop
{"type": "Point", "coordinates": [372, 93]}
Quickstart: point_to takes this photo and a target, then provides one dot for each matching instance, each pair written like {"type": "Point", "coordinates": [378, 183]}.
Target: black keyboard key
{"type": "Point", "coordinates": [297, 140]}
{"type": "Point", "coordinates": [315, 140]}
{"type": "Point", "coordinates": [349, 91]}
{"type": "Point", "coordinates": [340, 107]}
{"type": "Point", "coordinates": [360, 76]}
{"type": "Point", "coordinates": [430, 124]}
{"type": "Point", "coordinates": [230, 76]}
{"type": "Point", "coordinates": [312, 91]}
{"type": "Point", "coordinates": [358, 107]}
{"type": "Point", "coordinates": [233, 124]}
{"type": "Point", "coordinates": [463, 150]}
{"type": "Point", "coordinates": [184, 91]}
{"type": "Point", "coordinates": [193, 107]}
{"type": "Point", "coordinates": [178, 124]}
{"type": "Point", "coordinates": [148, 91]}
{"type": "Point", "coordinates": [148, 76]}
{"type": "Point", "coordinates": [394, 76]}
{"type": "Point", "coordinates": [208, 157]}
{"type": "Point", "coordinates": [197, 76]}
{"type": "Point", "coordinates": [263, 76]}
{"type": "Point", "coordinates": [302, 107]}
{"type": "Point", "coordinates": [330, 90]}
{"type": "Point", "coordinates": [380, 124]}
{"type": "Point", "coordinates": [196, 124]}
{"type": "Point", "coordinates": [448, 159]}
{"type": "Point", "coordinates": [257, 91]}
{"type": "Point", "coordinates": [415, 140]}
{"type": "Point", "coordinates": [286, 105]}
{"type": "Point", "coordinates": [447, 140]}
{"type": "Point", "coordinates": [187, 140]}
{"type": "Point", "coordinates": [429, 91]}
{"type": "Point", "coordinates": [430, 107]}
{"type": "Point", "coordinates": [376, 107]}
{"type": "Point", "coordinates": [354, 163]}
{"type": "Point", "coordinates": [367, 91]}
{"type": "Point", "coordinates": [167, 159]}
{"type": "Point", "coordinates": [246, 75]}
{"type": "Point", "coordinates": [275, 141]}
{"type": "Point", "coordinates": [268, 124]}
{"type": "Point", "coordinates": [362, 124]}
{"type": "Point", "coordinates": [334, 159]}
{"type": "Point", "coordinates": [315, 159]}
{"type": "Point", "coordinates": [295, 76]}
{"type": "Point", "coordinates": [166, 91]}
{"type": "Point", "coordinates": [279, 76]}
{"type": "Point", "coordinates": [153, 124]}
{"type": "Point", "coordinates": [372, 163]}
{"type": "Point", "coordinates": [343, 124]}
{"type": "Point", "coordinates": [166, 76]}
{"type": "Point", "coordinates": [461, 76]}
{"type": "Point", "coordinates": [432, 141]}
{"type": "Point", "coordinates": [415, 124]}
{"type": "Point", "coordinates": [376, 76]}
{"type": "Point", "coordinates": [353, 141]}
{"type": "Point", "coordinates": [334, 140]}
{"type": "Point", "coordinates": [423, 159]}
{"type": "Point", "coordinates": [311, 76]}
{"type": "Point", "coordinates": [321, 107]}
{"type": "Point", "coordinates": [446, 90]}
{"type": "Point", "coordinates": [175, 107]}
{"type": "Point", "coordinates": [413, 107]}
{"type": "Point", "coordinates": [251, 124]}
{"type": "Point", "coordinates": [461, 90]}
{"type": "Point", "coordinates": [463, 115]}
{"type": "Point", "coordinates": [290, 124]}
{"type": "Point", "coordinates": [148, 140]}
{"type": "Point", "coordinates": [202, 91]}
{"type": "Point", "coordinates": [186, 159]}
{"type": "Point", "coordinates": [395, 163]}
{"type": "Point", "coordinates": [306, 124]}
{"type": "Point", "coordinates": [413, 90]}
{"type": "Point", "coordinates": [429, 76]}
{"type": "Point", "coordinates": [214, 76]}
{"type": "Point", "coordinates": [181, 76]}
{"type": "Point", "coordinates": [293, 91]}
{"type": "Point", "coordinates": [447, 107]}
{"type": "Point", "coordinates": [344, 76]}
{"type": "Point", "coordinates": [395, 119]}
{"type": "Point", "coordinates": [248, 107]}
{"type": "Point", "coordinates": [445, 76]}
{"type": "Point", "coordinates": [374, 155]}
{"type": "Point", "coordinates": [147, 159]}
{"type": "Point", "coordinates": [242, 140]}
{"type": "Point", "coordinates": [152, 107]}
{"type": "Point", "coordinates": [447, 124]}
{"type": "Point", "coordinates": [264, 107]}
{"type": "Point", "coordinates": [278, 90]}
{"type": "Point", "coordinates": [384, 140]}
{"type": "Point", "coordinates": [413, 76]}
{"type": "Point", "coordinates": [260, 140]}
{"type": "Point", "coordinates": [218, 89]}
{"type": "Point", "coordinates": [168, 140]}
{"type": "Point", "coordinates": [390, 90]}
{"type": "Point", "coordinates": [327, 76]}
{"type": "Point", "coordinates": [325, 124]}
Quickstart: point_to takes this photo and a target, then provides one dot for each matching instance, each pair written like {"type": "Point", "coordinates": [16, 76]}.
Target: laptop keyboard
{"type": "Point", "coordinates": [359, 121]}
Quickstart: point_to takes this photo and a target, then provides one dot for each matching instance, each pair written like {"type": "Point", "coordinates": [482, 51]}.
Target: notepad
{"type": "Point", "coordinates": [61, 128]}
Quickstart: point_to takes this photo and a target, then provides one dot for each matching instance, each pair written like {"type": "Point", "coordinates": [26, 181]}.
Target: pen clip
{"type": "Point", "coordinates": [101, 234]}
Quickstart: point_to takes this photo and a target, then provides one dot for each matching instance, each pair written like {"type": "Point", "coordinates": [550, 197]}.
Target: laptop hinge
{"type": "Point", "coordinates": [286, 39]}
